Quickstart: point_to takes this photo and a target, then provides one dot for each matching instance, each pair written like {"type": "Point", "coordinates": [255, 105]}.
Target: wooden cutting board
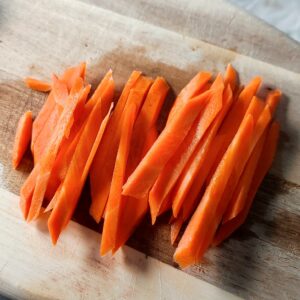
{"type": "Point", "coordinates": [39, 37]}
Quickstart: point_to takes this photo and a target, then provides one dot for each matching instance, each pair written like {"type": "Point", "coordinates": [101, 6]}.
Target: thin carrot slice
{"type": "Point", "coordinates": [37, 85]}
{"type": "Point", "coordinates": [197, 236]}
{"type": "Point", "coordinates": [143, 136]}
{"type": "Point", "coordinates": [174, 167]}
{"type": "Point", "coordinates": [230, 77]}
{"type": "Point", "coordinates": [238, 201]}
{"type": "Point", "coordinates": [196, 166]}
{"type": "Point", "coordinates": [67, 196]}
{"type": "Point", "coordinates": [103, 93]}
{"type": "Point", "coordinates": [47, 162]}
{"type": "Point", "coordinates": [103, 164]}
{"type": "Point", "coordinates": [197, 85]}
{"type": "Point", "coordinates": [273, 100]}
{"type": "Point", "coordinates": [232, 123]}
{"type": "Point", "coordinates": [22, 138]}
{"type": "Point", "coordinates": [264, 164]}
{"type": "Point", "coordinates": [60, 90]}
{"type": "Point", "coordinates": [142, 179]}
{"type": "Point", "coordinates": [112, 213]}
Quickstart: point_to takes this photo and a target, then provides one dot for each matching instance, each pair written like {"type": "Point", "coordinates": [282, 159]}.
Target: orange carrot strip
{"type": "Point", "coordinates": [196, 237]}
{"type": "Point", "coordinates": [112, 213]}
{"type": "Point", "coordinates": [47, 162]}
{"type": "Point", "coordinates": [71, 74]}
{"type": "Point", "coordinates": [273, 99]}
{"type": "Point", "coordinates": [264, 164]}
{"type": "Point", "coordinates": [192, 89]}
{"type": "Point", "coordinates": [22, 138]}
{"type": "Point", "coordinates": [104, 161]}
{"type": "Point", "coordinates": [174, 167]}
{"type": "Point", "coordinates": [67, 196]}
{"type": "Point", "coordinates": [142, 179]}
{"type": "Point", "coordinates": [232, 123]}
{"type": "Point", "coordinates": [105, 92]}
{"type": "Point", "coordinates": [197, 163]}
{"type": "Point", "coordinates": [143, 136]}
{"type": "Point", "coordinates": [60, 90]}
{"type": "Point", "coordinates": [238, 201]}
{"type": "Point", "coordinates": [37, 85]}
{"type": "Point", "coordinates": [230, 77]}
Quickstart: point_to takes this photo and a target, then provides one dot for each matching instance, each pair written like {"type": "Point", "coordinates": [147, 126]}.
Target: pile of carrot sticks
{"type": "Point", "coordinates": [204, 167]}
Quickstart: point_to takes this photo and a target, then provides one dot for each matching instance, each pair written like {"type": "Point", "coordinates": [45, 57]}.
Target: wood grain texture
{"type": "Point", "coordinates": [39, 37]}
{"type": "Point", "coordinates": [217, 22]}
{"type": "Point", "coordinates": [74, 269]}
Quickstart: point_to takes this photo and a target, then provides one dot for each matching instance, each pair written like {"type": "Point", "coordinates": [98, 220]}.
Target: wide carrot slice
{"type": "Point", "coordinates": [103, 93]}
{"type": "Point", "coordinates": [37, 85]}
{"type": "Point", "coordinates": [142, 179]}
{"type": "Point", "coordinates": [112, 212]}
{"type": "Point", "coordinates": [197, 236]}
{"type": "Point", "coordinates": [174, 167]}
{"type": "Point", "coordinates": [264, 163]}
{"type": "Point", "coordinates": [22, 138]}
{"type": "Point", "coordinates": [197, 162]}
{"type": "Point", "coordinates": [197, 85]}
{"type": "Point", "coordinates": [143, 136]}
{"type": "Point", "coordinates": [238, 201]}
{"type": "Point", "coordinates": [67, 196]}
{"type": "Point", "coordinates": [103, 165]}
{"type": "Point", "coordinates": [47, 162]}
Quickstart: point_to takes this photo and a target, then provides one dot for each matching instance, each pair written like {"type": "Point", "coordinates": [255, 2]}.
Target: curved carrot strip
{"type": "Point", "coordinates": [67, 196]}
{"type": "Point", "coordinates": [112, 213]}
{"type": "Point", "coordinates": [103, 165]}
{"type": "Point", "coordinates": [142, 179]}
{"type": "Point", "coordinates": [37, 85]}
{"type": "Point", "coordinates": [264, 163]}
{"type": "Point", "coordinates": [201, 228]}
{"type": "Point", "coordinates": [22, 138]}
{"type": "Point", "coordinates": [196, 86]}
{"type": "Point", "coordinates": [174, 167]}
{"type": "Point", "coordinates": [193, 175]}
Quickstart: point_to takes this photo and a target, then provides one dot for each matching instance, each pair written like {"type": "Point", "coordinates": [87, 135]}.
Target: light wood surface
{"type": "Point", "coordinates": [41, 37]}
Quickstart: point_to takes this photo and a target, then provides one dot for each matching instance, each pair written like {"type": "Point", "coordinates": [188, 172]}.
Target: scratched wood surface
{"type": "Point", "coordinates": [39, 37]}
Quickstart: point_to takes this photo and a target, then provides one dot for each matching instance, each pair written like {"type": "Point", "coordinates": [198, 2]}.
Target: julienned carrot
{"type": "Point", "coordinates": [104, 92]}
{"type": "Point", "coordinates": [112, 213]}
{"type": "Point", "coordinates": [60, 90]}
{"type": "Point", "coordinates": [230, 78]}
{"type": "Point", "coordinates": [232, 123]}
{"type": "Point", "coordinates": [265, 162]}
{"type": "Point", "coordinates": [45, 122]}
{"type": "Point", "coordinates": [238, 201]}
{"type": "Point", "coordinates": [263, 118]}
{"type": "Point", "coordinates": [66, 199]}
{"type": "Point", "coordinates": [70, 75]}
{"type": "Point", "coordinates": [151, 137]}
{"type": "Point", "coordinates": [37, 85]}
{"type": "Point", "coordinates": [47, 162]}
{"type": "Point", "coordinates": [172, 170]}
{"type": "Point", "coordinates": [142, 179]}
{"type": "Point", "coordinates": [192, 89]}
{"type": "Point", "coordinates": [197, 162]}
{"type": "Point", "coordinates": [103, 165]}
{"type": "Point", "coordinates": [146, 120]}
{"type": "Point", "coordinates": [201, 228]}
{"type": "Point", "coordinates": [143, 136]}
{"type": "Point", "coordinates": [22, 138]}
{"type": "Point", "coordinates": [273, 99]}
